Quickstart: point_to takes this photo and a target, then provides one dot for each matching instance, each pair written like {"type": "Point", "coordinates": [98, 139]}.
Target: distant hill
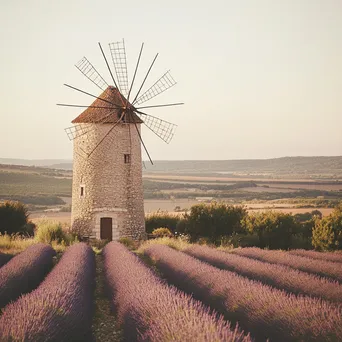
{"type": "Point", "coordinates": [51, 163]}
{"type": "Point", "coordinates": [318, 167]}
{"type": "Point", "coordinates": [288, 165]}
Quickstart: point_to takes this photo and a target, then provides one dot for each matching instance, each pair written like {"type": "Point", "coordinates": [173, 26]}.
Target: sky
{"type": "Point", "coordinates": [259, 78]}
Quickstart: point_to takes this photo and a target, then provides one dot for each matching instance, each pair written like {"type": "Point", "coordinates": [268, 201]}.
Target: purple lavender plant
{"type": "Point", "coordinates": [61, 308]}
{"type": "Point", "coordinates": [322, 268]}
{"type": "Point", "coordinates": [279, 276]}
{"type": "Point", "coordinates": [150, 310]}
{"type": "Point", "coordinates": [264, 311]}
{"type": "Point", "coordinates": [24, 272]}
{"type": "Point", "coordinates": [326, 256]}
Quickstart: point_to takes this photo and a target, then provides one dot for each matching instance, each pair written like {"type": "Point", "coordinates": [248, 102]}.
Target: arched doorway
{"type": "Point", "coordinates": [106, 231]}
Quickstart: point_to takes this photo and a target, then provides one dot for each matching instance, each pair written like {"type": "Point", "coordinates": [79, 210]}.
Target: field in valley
{"type": "Point", "coordinates": [176, 186]}
{"type": "Point", "coordinates": [152, 206]}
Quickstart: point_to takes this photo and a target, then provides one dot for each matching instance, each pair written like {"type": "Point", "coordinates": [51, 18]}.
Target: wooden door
{"type": "Point", "coordinates": [106, 228]}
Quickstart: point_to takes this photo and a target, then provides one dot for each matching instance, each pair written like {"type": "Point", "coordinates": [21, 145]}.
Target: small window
{"type": "Point", "coordinates": [127, 158]}
{"type": "Point", "coordinates": [82, 190]}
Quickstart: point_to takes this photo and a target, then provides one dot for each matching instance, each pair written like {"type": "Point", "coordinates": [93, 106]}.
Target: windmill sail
{"type": "Point", "coordinates": [89, 71]}
{"type": "Point", "coordinates": [164, 83]}
{"type": "Point", "coordinates": [163, 129]}
{"type": "Point", "coordinates": [76, 131]}
{"type": "Point", "coordinates": [118, 53]}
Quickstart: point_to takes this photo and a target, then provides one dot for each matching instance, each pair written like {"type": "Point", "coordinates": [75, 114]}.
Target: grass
{"type": "Point", "coordinates": [104, 326]}
{"type": "Point", "coordinates": [178, 243]}
{"type": "Point", "coordinates": [12, 183]}
{"type": "Point", "coordinates": [14, 244]}
{"type": "Point", "coordinates": [47, 231]}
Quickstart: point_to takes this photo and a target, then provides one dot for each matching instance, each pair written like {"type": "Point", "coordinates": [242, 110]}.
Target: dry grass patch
{"type": "Point", "coordinates": [178, 243]}
{"type": "Point", "coordinates": [14, 244]}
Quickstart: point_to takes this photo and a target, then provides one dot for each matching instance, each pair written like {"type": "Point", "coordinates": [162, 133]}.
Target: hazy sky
{"type": "Point", "coordinates": [259, 78]}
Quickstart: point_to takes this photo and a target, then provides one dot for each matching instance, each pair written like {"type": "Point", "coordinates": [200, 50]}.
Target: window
{"type": "Point", "coordinates": [127, 158]}
{"type": "Point", "coordinates": [82, 190]}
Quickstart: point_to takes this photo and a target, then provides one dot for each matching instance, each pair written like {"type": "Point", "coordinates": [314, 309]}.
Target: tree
{"type": "Point", "coordinates": [212, 221]}
{"type": "Point", "coordinates": [274, 229]}
{"type": "Point", "coordinates": [327, 233]}
{"type": "Point", "coordinates": [14, 218]}
{"type": "Point", "coordinates": [161, 219]}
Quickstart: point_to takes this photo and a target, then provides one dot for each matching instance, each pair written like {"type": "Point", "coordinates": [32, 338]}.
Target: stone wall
{"type": "Point", "coordinates": [112, 188]}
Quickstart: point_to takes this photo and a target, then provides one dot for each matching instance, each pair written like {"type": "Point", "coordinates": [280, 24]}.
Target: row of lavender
{"type": "Point", "coordinates": [264, 311]}
{"type": "Point", "coordinates": [309, 264]}
{"type": "Point", "coordinates": [61, 308]}
{"type": "Point", "coordinates": [150, 310]}
{"type": "Point", "coordinates": [333, 256]}
{"type": "Point", "coordinates": [24, 272]}
{"type": "Point", "coordinates": [276, 275]}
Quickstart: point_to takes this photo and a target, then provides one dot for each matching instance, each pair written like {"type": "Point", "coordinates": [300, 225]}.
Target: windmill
{"type": "Point", "coordinates": [107, 191]}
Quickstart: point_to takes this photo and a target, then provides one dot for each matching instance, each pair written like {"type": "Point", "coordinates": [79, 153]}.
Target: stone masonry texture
{"type": "Point", "coordinates": [111, 187]}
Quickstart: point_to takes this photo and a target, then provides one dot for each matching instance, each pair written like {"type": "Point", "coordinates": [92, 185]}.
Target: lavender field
{"type": "Point", "coordinates": [159, 293]}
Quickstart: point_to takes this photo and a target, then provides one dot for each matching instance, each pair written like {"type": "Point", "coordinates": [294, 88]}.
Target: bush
{"type": "Point", "coordinates": [212, 221]}
{"type": "Point", "coordinates": [15, 243]}
{"type": "Point", "coordinates": [29, 228]}
{"type": "Point", "coordinates": [274, 229]}
{"type": "Point", "coordinates": [49, 231]}
{"type": "Point", "coordinates": [13, 218]}
{"type": "Point", "coordinates": [128, 242]}
{"type": "Point", "coordinates": [162, 232]}
{"type": "Point", "coordinates": [98, 244]}
{"type": "Point", "coordinates": [240, 240]}
{"type": "Point", "coordinates": [161, 219]}
{"type": "Point", "coordinates": [327, 233]}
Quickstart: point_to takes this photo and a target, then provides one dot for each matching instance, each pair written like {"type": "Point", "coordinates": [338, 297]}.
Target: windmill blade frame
{"type": "Point", "coordinates": [119, 59]}
{"type": "Point", "coordinates": [164, 83]}
{"type": "Point", "coordinates": [89, 71]}
{"type": "Point", "coordinates": [165, 130]}
{"type": "Point", "coordinates": [79, 130]}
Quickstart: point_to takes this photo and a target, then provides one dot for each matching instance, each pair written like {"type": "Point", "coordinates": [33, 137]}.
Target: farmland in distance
{"type": "Point", "coordinates": [295, 184]}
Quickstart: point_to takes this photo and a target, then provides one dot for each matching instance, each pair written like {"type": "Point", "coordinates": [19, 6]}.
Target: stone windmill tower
{"type": "Point", "coordinates": [107, 190]}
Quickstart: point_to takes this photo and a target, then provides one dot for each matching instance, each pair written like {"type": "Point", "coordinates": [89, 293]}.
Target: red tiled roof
{"type": "Point", "coordinates": [109, 115]}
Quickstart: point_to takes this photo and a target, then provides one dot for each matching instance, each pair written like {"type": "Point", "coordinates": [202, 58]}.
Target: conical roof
{"type": "Point", "coordinates": [111, 112]}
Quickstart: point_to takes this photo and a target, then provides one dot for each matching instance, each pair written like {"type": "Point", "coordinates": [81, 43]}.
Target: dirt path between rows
{"type": "Point", "coordinates": [104, 323]}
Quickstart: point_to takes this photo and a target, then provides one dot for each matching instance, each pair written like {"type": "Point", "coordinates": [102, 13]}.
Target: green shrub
{"type": "Point", "coordinates": [299, 242]}
{"type": "Point", "coordinates": [15, 243]}
{"type": "Point", "coordinates": [212, 221]}
{"type": "Point", "coordinates": [162, 232]}
{"type": "Point", "coordinates": [161, 219]}
{"type": "Point", "coordinates": [303, 235]}
{"type": "Point", "coordinates": [98, 244]}
{"type": "Point", "coordinates": [29, 228]}
{"type": "Point", "coordinates": [129, 243]}
{"type": "Point", "coordinates": [274, 229]}
{"type": "Point", "coordinates": [49, 231]}
{"type": "Point", "coordinates": [327, 233]}
{"type": "Point", "coordinates": [240, 240]}
{"type": "Point", "coordinates": [178, 243]}
{"type": "Point", "coordinates": [13, 218]}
